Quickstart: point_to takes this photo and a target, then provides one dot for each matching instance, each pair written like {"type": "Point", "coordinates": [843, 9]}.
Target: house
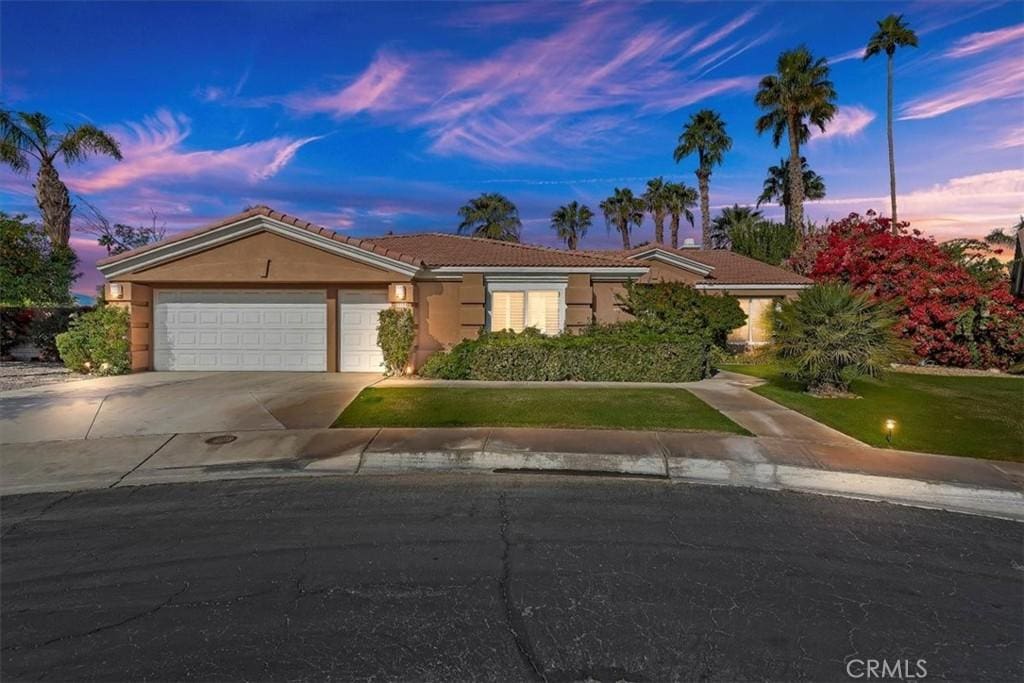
{"type": "Point", "coordinates": [262, 290]}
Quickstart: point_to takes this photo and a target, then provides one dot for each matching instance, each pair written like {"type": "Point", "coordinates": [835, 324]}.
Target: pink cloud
{"type": "Point", "coordinates": [848, 122]}
{"type": "Point", "coordinates": [532, 101]}
{"type": "Point", "coordinates": [980, 42]}
{"type": "Point", "coordinates": [995, 80]}
{"type": "Point", "coordinates": [153, 149]}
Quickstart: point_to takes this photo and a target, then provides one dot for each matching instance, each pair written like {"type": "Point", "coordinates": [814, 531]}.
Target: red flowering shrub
{"type": "Point", "coordinates": [947, 315]}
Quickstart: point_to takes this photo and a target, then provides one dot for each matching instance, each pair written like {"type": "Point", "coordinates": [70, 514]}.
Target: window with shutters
{"type": "Point", "coordinates": [757, 329]}
{"type": "Point", "coordinates": [517, 310]}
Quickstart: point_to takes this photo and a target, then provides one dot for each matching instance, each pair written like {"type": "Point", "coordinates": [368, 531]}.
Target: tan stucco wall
{"type": "Point", "coordinates": [138, 301]}
{"type": "Point", "coordinates": [605, 310]}
{"type": "Point", "coordinates": [438, 310]}
{"type": "Point", "coordinates": [264, 258]}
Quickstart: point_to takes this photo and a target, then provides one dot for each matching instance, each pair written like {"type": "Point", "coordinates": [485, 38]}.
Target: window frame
{"type": "Point", "coordinates": [512, 285]}
{"type": "Point", "coordinates": [774, 301]}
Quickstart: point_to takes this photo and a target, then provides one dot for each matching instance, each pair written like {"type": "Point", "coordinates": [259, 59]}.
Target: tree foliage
{"type": "Point", "coordinates": [28, 136]}
{"type": "Point", "coordinates": [623, 211]}
{"type": "Point", "coordinates": [679, 202]}
{"type": "Point", "coordinates": [33, 271]}
{"type": "Point", "coordinates": [571, 222]}
{"type": "Point", "coordinates": [947, 314]}
{"type": "Point", "coordinates": [776, 186]}
{"type": "Point", "coordinates": [830, 335]}
{"type": "Point", "coordinates": [491, 215]}
{"type": "Point", "coordinates": [704, 135]}
{"type": "Point", "coordinates": [118, 238]}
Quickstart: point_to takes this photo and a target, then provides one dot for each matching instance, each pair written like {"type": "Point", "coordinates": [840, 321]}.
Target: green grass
{"type": "Point", "coordinates": [980, 417]}
{"type": "Point", "coordinates": [602, 408]}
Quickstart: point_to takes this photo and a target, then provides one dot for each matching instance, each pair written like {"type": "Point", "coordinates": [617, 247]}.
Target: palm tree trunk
{"type": "Point", "coordinates": [796, 176]}
{"type": "Point", "coordinates": [624, 231]}
{"type": "Point", "coordinates": [572, 242]}
{"type": "Point", "coordinates": [54, 205]}
{"type": "Point", "coordinates": [705, 208]}
{"type": "Point", "coordinates": [892, 152]}
{"type": "Point", "coordinates": [674, 227]}
{"type": "Point", "coordinates": [659, 229]}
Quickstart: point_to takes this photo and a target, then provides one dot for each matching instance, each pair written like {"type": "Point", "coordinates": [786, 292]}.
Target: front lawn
{"type": "Point", "coordinates": [602, 408]}
{"type": "Point", "coordinates": [981, 417]}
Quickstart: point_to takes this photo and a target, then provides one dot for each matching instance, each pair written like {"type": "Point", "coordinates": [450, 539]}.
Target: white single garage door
{"type": "Point", "coordinates": [359, 311]}
{"type": "Point", "coordinates": [239, 330]}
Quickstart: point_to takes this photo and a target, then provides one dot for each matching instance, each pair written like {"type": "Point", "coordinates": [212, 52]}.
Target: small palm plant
{"type": "Point", "coordinates": [830, 335]}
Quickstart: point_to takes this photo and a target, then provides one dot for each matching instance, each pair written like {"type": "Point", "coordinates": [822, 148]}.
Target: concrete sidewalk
{"type": "Point", "coordinates": [946, 482]}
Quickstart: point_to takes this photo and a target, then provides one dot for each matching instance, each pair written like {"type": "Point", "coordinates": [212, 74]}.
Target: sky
{"type": "Point", "coordinates": [376, 117]}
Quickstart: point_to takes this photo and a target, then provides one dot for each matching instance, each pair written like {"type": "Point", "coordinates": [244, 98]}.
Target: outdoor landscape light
{"type": "Point", "coordinates": [890, 425]}
{"type": "Point", "coordinates": [116, 291]}
{"type": "Point", "coordinates": [400, 292]}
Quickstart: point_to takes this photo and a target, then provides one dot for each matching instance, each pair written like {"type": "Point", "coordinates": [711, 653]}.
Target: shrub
{"type": "Point", "coordinates": [396, 332]}
{"type": "Point", "coordinates": [46, 325]}
{"type": "Point", "coordinates": [829, 335]}
{"type": "Point", "coordinates": [15, 323]}
{"type": "Point", "coordinates": [621, 353]}
{"type": "Point", "coordinates": [97, 342]}
{"type": "Point", "coordinates": [764, 240]}
{"type": "Point", "coordinates": [947, 314]}
{"type": "Point", "coordinates": [678, 308]}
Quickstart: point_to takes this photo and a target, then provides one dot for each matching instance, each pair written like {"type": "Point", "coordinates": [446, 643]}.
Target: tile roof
{"type": "Point", "coordinates": [364, 244]}
{"type": "Point", "coordinates": [729, 268]}
{"type": "Point", "coordinates": [441, 249]}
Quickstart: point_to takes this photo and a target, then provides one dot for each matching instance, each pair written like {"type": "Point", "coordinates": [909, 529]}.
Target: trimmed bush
{"type": "Point", "coordinates": [624, 353]}
{"type": "Point", "coordinates": [396, 332]}
{"type": "Point", "coordinates": [678, 308]}
{"type": "Point", "coordinates": [97, 342]}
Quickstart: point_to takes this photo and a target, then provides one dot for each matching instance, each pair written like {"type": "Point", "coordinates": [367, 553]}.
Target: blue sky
{"type": "Point", "coordinates": [388, 116]}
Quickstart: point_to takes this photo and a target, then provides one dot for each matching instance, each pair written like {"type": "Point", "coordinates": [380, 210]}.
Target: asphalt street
{"type": "Point", "coordinates": [499, 577]}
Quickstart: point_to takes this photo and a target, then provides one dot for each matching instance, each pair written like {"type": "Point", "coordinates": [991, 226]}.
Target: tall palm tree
{"type": "Point", "coordinates": [25, 136]}
{"type": "Point", "coordinates": [571, 222]}
{"type": "Point", "coordinates": [892, 33]}
{"type": "Point", "coordinates": [656, 199]}
{"type": "Point", "coordinates": [623, 211]}
{"type": "Point", "coordinates": [776, 185]}
{"type": "Point", "coordinates": [680, 203]}
{"type": "Point", "coordinates": [704, 135]}
{"type": "Point", "coordinates": [491, 215]}
{"type": "Point", "coordinates": [799, 94]}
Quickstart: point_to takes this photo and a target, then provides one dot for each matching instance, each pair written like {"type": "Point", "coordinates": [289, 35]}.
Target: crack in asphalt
{"type": "Point", "coordinates": [47, 508]}
{"type": "Point", "coordinates": [513, 618]}
{"type": "Point", "coordinates": [106, 627]}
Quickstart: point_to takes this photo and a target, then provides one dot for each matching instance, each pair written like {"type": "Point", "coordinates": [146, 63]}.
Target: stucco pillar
{"type": "Point", "coordinates": [332, 328]}
{"type": "Point", "coordinates": [138, 301]}
{"type": "Point", "coordinates": [472, 303]}
{"type": "Point", "coordinates": [579, 303]}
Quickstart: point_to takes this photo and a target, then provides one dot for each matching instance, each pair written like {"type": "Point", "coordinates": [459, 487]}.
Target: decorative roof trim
{"type": "Point", "coordinates": [242, 228]}
{"type": "Point", "coordinates": [656, 254]}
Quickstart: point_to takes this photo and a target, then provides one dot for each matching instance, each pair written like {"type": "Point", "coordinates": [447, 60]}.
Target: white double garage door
{"type": "Point", "coordinates": [268, 330]}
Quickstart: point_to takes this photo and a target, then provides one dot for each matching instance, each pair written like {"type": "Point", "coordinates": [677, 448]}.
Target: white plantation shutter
{"type": "Point", "coordinates": [508, 311]}
{"type": "Point", "coordinates": [542, 311]}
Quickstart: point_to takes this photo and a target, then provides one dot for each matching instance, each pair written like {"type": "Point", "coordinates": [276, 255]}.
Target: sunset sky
{"type": "Point", "coordinates": [374, 117]}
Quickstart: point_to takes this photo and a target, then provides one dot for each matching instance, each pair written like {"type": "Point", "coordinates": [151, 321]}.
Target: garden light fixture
{"type": "Point", "coordinates": [890, 425]}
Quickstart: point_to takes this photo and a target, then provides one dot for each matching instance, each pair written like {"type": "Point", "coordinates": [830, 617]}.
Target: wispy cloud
{"type": "Point", "coordinates": [998, 79]}
{"type": "Point", "coordinates": [534, 99]}
{"type": "Point", "coordinates": [965, 206]}
{"type": "Point", "coordinates": [980, 42]}
{"type": "Point", "coordinates": [848, 122]}
{"type": "Point", "coordinates": [856, 53]}
{"type": "Point", "coordinates": [154, 149]}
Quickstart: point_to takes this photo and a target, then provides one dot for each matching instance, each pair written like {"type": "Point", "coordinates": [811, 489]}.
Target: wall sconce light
{"type": "Point", "coordinates": [890, 426]}
{"type": "Point", "coordinates": [116, 291]}
{"type": "Point", "coordinates": [400, 292]}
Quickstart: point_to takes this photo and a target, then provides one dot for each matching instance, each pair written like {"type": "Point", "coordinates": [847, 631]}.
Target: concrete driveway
{"type": "Point", "coordinates": [177, 403]}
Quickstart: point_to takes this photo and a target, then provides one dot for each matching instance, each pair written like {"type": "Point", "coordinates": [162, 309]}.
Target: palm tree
{"type": "Point", "coordinates": [623, 211]}
{"type": "Point", "coordinates": [25, 136]}
{"type": "Point", "coordinates": [776, 185]}
{"type": "Point", "coordinates": [491, 215]}
{"type": "Point", "coordinates": [680, 202]}
{"type": "Point", "coordinates": [571, 222]}
{"type": "Point", "coordinates": [800, 93]}
{"type": "Point", "coordinates": [656, 199]}
{"type": "Point", "coordinates": [891, 34]}
{"type": "Point", "coordinates": [731, 217]}
{"type": "Point", "coordinates": [704, 135]}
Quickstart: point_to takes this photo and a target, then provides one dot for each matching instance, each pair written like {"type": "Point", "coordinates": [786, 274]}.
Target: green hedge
{"type": "Point", "coordinates": [396, 332]}
{"type": "Point", "coordinates": [619, 354]}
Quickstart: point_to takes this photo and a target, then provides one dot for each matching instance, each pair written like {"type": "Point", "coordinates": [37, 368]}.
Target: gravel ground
{"type": "Point", "coordinates": [25, 374]}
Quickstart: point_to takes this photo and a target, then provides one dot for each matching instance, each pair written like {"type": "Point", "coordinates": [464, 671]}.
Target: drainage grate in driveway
{"type": "Point", "coordinates": [221, 439]}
